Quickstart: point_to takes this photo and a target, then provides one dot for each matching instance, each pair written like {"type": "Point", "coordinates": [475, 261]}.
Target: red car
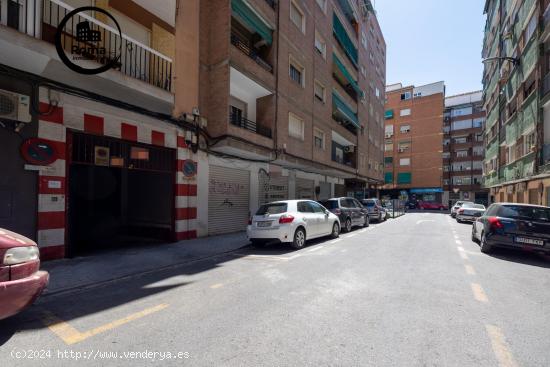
{"type": "Point", "coordinates": [20, 280]}
{"type": "Point", "coordinates": [431, 205]}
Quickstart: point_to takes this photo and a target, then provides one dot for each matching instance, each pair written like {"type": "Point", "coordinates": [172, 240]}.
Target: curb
{"type": "Point", "coordinates": [69, 290]}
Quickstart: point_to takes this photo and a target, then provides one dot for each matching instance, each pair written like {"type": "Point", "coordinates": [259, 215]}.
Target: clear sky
{"type": "Point", "coordinates": [433, 40]}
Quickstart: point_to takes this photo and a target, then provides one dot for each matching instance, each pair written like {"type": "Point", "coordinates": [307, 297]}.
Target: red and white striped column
{"type": "Point", "coordinates": [186, 195]}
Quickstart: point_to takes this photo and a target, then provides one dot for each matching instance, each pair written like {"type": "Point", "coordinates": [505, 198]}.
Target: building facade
{"type": "Point", "coordinates": [293, 94]}
{"type": "Point", "coordinates": [413, 153]}
{"type": "Point", "coordinates": [515, 90]}
{"type": "Point", "coordinates": [94, 160]}
{"type": "Point", "coordinates": [463, 125]}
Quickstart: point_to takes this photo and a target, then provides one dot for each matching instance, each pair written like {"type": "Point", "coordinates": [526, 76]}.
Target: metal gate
{"type": "Point", "coordinates": [273, 187]}
{"type": "Point", "coordinates": [228, 200]}
{"type": "Point", "coordinates": [305, 189]}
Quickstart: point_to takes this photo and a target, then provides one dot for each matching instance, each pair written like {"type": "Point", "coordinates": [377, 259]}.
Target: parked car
{"type": "Point", "coordinates": [411, 204]}
{"type": "Point", "coordinates": [375, 209]}
{"type": "Point", "coordinates": [431, 205]}
{"type": "Point", "coordinates": [516, 226]}
{"type": "Point", "coordinates": [21, 282]}
{"type": "Point", "coordinates": [469, 212]}
{"type": "Point", "coordinates": [293, 222]}
{"type": "Point", "coordinates": [349, 210]}
{"type": "Point", "coordinates": [457, 206]}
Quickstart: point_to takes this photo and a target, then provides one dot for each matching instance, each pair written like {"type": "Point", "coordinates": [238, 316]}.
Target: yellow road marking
{"type": "Point", "coordinates": [479, 293]}
{"type": "Point", "coordinates": [470, 270]}
{"type": "Point", "coordinates": [70, 335]}
{"type": "Point", "coordinates": [500, 347]}
{"type": "Point", "coordinates": [217, 285]}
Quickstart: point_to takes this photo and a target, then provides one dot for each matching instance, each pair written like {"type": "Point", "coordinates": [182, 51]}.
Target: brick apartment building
{"type": "Point", "coordinates": [463, 125]}
{"type": "Point", "coordinates": [293, 92]}
{"type": "Point", "coordinates": [413, 157]}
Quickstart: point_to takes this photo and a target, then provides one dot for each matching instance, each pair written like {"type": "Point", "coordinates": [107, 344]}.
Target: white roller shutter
{"type": "Point", "coordinates": [305, 188]}
{"type": "Point", "coordinates": [228, 207]}
{"type": "Point", "coordinates": [273, 188]}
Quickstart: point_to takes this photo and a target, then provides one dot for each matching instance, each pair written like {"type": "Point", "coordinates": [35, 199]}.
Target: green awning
{"type": "Point", "coordinates": [388, 114]}
{"type": "Point", "coordinates": [404, 177]}
{"type": "Point", "coordinates": [343, 38]}
{"type": "Point", "coordinates": [347, 75]}
{"type": "Point", "coordinates": [248, 17]}
{"type": "Point", "coordinates": [388, 159]}
{"type": "Point", "coordinates": [388, 177]}
{"type": "Point", "coordinates": [339, 104]}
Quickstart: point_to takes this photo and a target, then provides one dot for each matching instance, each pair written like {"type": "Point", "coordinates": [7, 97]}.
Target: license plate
{"type": "Point", "coordinates": [530, 241]}
{"type": "Point", "coordinates": [264, 224]}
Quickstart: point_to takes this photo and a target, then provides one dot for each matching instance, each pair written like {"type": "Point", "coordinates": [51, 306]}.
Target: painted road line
{"type": "Point", "coordinates": [217, 285]}
{"type": "Point", "coordinates": [315, 249]}
{"type": "Point", "coordinates": [70, 335]}
{"type": "Point", "coordinates": [460, 248]}
{"type": "Point", "coordinates": [458, 242]}
{"type": "Point", "coordinates": [463, 255]}
{"type": "Point", "coordinates": [470, 270]}
{"type": "Point", "coordinates": [350, 235]}
{"type": "Point", "coordinates": [424, 220]}
{"type": "Point", "coordinates": [336, 240]}
{"type": "Point", "coordinates": [500, 347]}
{"type": "Point", "coordinates": [479, 293]}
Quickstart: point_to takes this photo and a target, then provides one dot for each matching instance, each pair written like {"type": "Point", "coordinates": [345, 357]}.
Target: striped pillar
{"type": "Point", "coordinates": [186, 196]}
{"type": "Point", "coordinates": [52, 186]}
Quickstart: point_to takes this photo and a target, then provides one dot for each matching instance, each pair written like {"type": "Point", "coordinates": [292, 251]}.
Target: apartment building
{"type": "Point", "coordinates": [91, 158]}
{"type": "Point", "coordinates": [293, 92]}
{"type": "Point", "coordinates": [463, 124]}
{"type": "Point", "coordinates": [413, 145]}
{"type": "Point", "coordinates": [515, 95]}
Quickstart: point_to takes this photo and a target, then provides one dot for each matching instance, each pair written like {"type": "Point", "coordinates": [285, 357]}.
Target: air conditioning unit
{"type": "Point", "coordinates": [349, 149]}
{"type": "Point", "coordinates": [401, 150]}
{"type": "Point", "coordinates": [389, 135]}
{"type": "Point", "coordinates": [14, 106]}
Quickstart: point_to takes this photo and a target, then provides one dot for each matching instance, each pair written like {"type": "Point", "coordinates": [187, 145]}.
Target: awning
{"type": "Point", "coordinates": [343, 38]}
{"type": "Point", "coordinates": [249, 18]}
{"type": "Point", "coordinates": [388, 114]}
{"type": "Point", "coordinates": [404, 178]}
{"type": "Point", "coordinates": [348, 10]}
{"type": "Point", "coordinates": [388, 177]}
{"type": "Point", "coordinates": [347, 75]}
{"type": "Point", "coordinates": [342, 107]}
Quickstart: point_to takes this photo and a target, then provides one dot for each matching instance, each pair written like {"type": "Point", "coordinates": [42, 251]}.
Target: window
{"type": "Point", "coordinates": [295, 126]}
{"type": "Point", "coordinates": [319, 138]}
{"type": "Point", "coordinates": [418, 94]}
{"type": "Point", "coordinates": [478, 122]}
{"type": "Point", "coordinates": [297, 16]}
{"type": "Point", "coordinates": [405, 96]}
{"type": "Point", "coordinates": [529, 143]}
{"type": "Point", "coordinates": [320, 45]}
{"type": "Point", "coordinates": [405, 162]}
{"type": "Point", "coordinates": [388, 147]}
{"type": "Point", "coordinates": [377, 92]}
{"type": "Point", "coordinates": [389, 131]}
{"type": "Point", "coordinates": [405, 112]}
{"type": "Point", "coordinates": [296, 72]}
{"type": "Point", "coordinates": [319, 90]}
{"type": "Point", "coordinates": [531, 28]}
{"type": "Point", "coordinates": [322, 4]}
{"type": "Point", "coordinates": [364, 71]}
{"type": "Point", "coordinates": [404, 146]}
{"type": "Point", "coordinates": [462, 124]}
{"type": "Point", "coordinates": [364, 39]}
{"type": "Point", "coordinates": [461, 111]}
{"type": "Point", "coordinates": [460, 140]}
{"type": "Point", "coordinates": [405, 129]}
{"type": "Point", "coordinates": [461, 153]}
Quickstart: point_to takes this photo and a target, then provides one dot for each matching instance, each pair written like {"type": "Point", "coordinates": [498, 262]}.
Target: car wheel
{"type": "Point", "coordinates": [347, 225]}
{"type": "Point", "coordinates": [458, 220]}
{"type": "Point", "coordinates": [335, 230]}
{"type": "Point", "coordinates": [299, 239]}
{"type": "Point", "coordinates": [485, 247]}
{"type": "Point", "coordinates": [366, 223]}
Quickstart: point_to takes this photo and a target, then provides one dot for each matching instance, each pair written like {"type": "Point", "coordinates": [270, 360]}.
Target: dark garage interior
{"type": "Point", "coordinates": [120, 194]}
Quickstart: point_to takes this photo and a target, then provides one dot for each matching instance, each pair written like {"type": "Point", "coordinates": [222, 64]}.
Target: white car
{"type": "Point", "coordinates": [457, 206]}
{"type": "Point", "coordinates": [293, 222]}
{"type": "Point", "coordinates": [469, 212]}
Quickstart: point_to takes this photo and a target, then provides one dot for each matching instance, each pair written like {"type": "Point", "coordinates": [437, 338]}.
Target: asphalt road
{"type": "Point", "coordinates": [413, 291]}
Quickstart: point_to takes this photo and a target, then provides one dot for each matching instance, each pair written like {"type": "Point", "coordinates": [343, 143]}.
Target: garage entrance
{"type": "Point", "coordinates": [120, 193]}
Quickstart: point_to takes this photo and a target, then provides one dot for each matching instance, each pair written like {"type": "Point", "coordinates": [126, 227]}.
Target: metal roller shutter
{"type": "Point", "coordinates": [273, 187]}
{"type": "Point", "coordinates": [305, 188]}
{"type": "Point", "coordinates": [228, 207]}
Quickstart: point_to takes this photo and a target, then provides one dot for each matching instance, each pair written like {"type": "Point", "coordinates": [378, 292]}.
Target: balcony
{"type": "Point", "coordinates": [244, 47]}
{"type": "Point", "coordinates": [343, 151]}
{"type": "Point", "coordinates": [344, 40]}
{"type": "Point", "coordinates": [42, 17]}
{"type": "Point", "coordinates": [345, 78]}
{"type": "Point", "coordinates": [237, 120]}
{"type": "Point", "coordinates": [344, 114]}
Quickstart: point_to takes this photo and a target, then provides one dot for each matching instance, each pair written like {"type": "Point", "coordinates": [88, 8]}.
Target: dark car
{"type": "Point", "coordinates": [21, 281]}
{"type": "Point", "coordinates": [516, 226]}
{"type": "Point", "coordinates": [349, 210]}
{"type": "Point", "coordinates": [411, 204]}
{"type": "Point", "coordinates": [375, 208]}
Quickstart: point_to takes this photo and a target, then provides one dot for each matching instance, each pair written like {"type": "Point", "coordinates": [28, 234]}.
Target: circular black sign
{"type": "Point", "coordinates": [38, 151]}
{"type": "Point", "coordinates": [89, 46]}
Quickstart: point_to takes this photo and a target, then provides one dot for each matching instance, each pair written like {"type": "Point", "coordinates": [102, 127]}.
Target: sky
{"type": "Point", "coordinates": [433, 40]}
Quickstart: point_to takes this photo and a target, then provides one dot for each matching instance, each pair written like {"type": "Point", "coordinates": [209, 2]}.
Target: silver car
{"type": "Point", "coordinates": [293, 222]}
{"type": "Point", "coordinates": [457, 206]}
{"type": "Point", "coordinates": [469, 212]}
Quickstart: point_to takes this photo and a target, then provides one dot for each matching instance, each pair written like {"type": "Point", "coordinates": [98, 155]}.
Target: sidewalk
{"type": "Point", "coordinates": [82, 272]}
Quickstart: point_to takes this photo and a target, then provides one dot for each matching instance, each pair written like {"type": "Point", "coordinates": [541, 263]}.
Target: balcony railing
{"type": "Point", "coordinates": [250, 52]}
{"type": "Point", "coordinates": [40, 19]}
{"type": "Point", "coordinates": [249, 125]}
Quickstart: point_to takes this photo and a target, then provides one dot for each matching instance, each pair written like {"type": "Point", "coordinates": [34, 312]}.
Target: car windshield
{"type": "Point", "coordinates": [525, 212]}
{"type": "Point", "coordinates": [273, 208]}
{"type": "Point", "coordinates": [472, 205]}
{"type": "Point", "coordinates": [329, 204]}
{"type": "Point", "coordinates": [368, 202]}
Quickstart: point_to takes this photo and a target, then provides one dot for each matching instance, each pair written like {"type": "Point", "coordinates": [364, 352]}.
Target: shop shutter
{"type": "Point", "coordinates": [305, 188]}
{"type": "Point", "coordinates": [273, 187]}
{"type": "Point", "coordinates": [228, 200]}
